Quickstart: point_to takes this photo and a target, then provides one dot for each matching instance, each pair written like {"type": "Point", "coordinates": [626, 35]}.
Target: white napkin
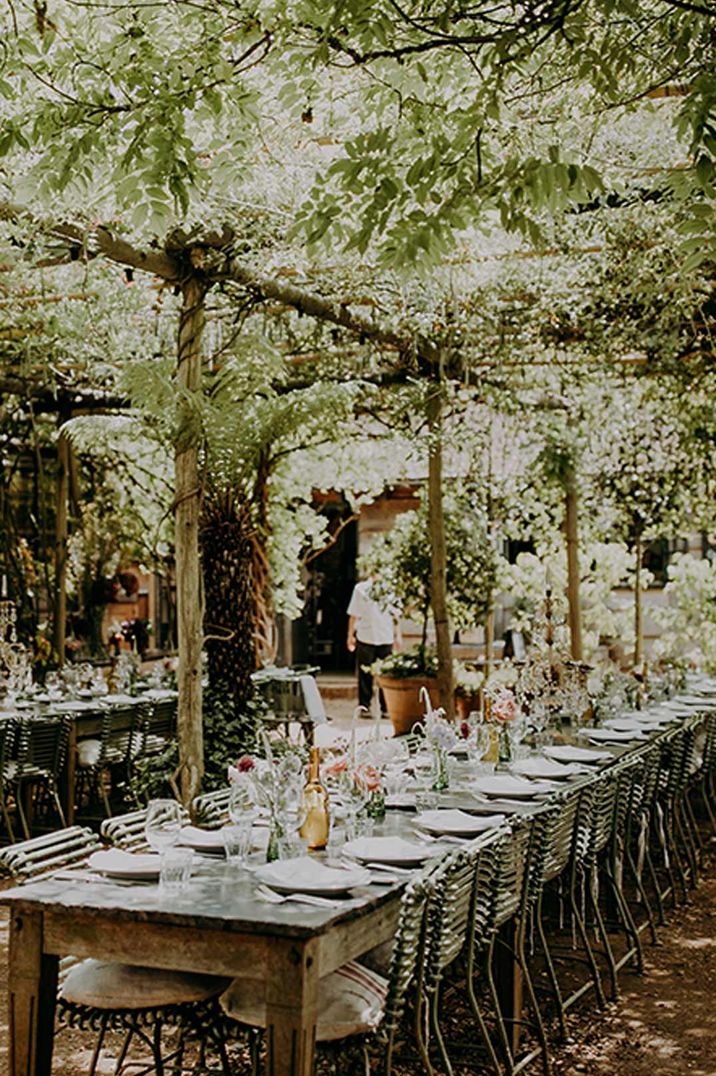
{"type": "Point", "coordinates": [306, 875]}
{"type": "Point", "coordinates": [456, 822]}
{"type": "Point", "coordinates": [117, 861]}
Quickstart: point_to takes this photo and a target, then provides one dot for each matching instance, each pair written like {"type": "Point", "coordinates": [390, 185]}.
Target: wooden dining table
{"type": "Point", "coordinates": [216, 926]}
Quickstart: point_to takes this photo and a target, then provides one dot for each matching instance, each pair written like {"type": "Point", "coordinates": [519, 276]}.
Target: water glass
{"type": "Point", "coordinates": [426, 801]}
{"type": "Point", "coordinates": [175, 869]}
{"type": "Point", "coordinates": [237, 841]}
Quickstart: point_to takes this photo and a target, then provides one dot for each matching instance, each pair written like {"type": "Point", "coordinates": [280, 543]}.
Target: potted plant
{"type": "Point", "coordinates": [468, 690]}
{"type": "Point", "coordinates": [399, 562]}
{"type": "Point", "coordinates": [400, 677]}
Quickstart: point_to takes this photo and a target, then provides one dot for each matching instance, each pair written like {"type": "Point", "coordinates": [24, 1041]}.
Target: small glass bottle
{"type": "Point", "coordinates": [315, 801]}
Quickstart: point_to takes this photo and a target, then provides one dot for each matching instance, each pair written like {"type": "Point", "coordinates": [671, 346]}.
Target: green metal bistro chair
{"type": "Point", "coordinates": [41, 753]}
{"type": "Point", "coordinates": [361, 1013]}
{"type": "Point", "coordinates": [111, 754]}
{"type": "Point", "coordinates": [457, 923]}
{"type": "Point", "coordinates": [8, 740]}
{"type": "Point", "coordinates": [566, 836]}
{"type": "Point", "coordinates": [508, 886]}
{"type": "Point", "coordinates": [104, 996]}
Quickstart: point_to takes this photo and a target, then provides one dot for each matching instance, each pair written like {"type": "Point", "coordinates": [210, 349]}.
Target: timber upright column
{"type": "Point", "coordinates": [438, 554]}
{"type": "Point", "coordinates": [187, 506]}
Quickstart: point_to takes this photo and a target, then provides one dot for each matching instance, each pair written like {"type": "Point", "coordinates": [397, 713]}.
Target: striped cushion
{"type": "Point", "coordinates": [100, 984]}
{"type": "Point", "coordinates": [350, 1002]}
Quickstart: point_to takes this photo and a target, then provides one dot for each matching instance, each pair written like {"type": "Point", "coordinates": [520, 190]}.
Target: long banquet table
{"type": "Point", "coordinates": [217, 925]}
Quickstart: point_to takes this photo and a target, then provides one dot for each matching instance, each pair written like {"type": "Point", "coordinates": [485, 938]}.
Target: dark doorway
{"type": "Point", "coordinates": [331, 578]}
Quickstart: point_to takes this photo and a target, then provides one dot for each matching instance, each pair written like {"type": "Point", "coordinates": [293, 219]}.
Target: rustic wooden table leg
{"type": "Point", "coordinates": [291, 1000]}
{"type": "Point", "coordinates": [32, 988]}
{"type": "Point", "coordinates": [508, 978]}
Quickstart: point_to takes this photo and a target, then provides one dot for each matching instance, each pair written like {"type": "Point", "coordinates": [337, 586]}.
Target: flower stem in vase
{"type": "Point", "coordinates": [441, 776]}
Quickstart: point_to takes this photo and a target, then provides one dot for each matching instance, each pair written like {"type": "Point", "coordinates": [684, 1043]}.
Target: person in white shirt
{"type": "Point", "coordinates": [373, 629]}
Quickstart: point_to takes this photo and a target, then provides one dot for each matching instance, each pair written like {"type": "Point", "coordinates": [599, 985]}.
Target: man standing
{"type": "Point", "coordinates": [373, 627]}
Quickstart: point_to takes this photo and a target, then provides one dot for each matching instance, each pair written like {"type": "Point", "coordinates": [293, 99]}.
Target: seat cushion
{"type": "Point", "coordinates": [101, 984]}
{"type": "Point", "coordinates": [378, 959]}
{"type": "Point", "coordinates": [350, 1001]}
{"type": "Point", "coordinates": [88, 752]}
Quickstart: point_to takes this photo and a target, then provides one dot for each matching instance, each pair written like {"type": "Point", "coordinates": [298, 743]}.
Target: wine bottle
{"type": "Point", "coordinates": [315, 801]}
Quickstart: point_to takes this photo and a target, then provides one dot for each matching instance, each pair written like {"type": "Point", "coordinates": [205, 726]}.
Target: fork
{"type": "Point", "coordinates": [272, 897]}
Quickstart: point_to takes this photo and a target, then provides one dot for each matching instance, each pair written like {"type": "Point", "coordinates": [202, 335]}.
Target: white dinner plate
{"type": "Point", "coordinates": [627, 724]}
{"type": "Point", "coordinates": [394, 851]}
{"type": "Point", "coordinates": [456, 823]}
{"type": "Point", "coordinates": [568, 753]}
{"type": "Point", "coordinates": [116, 863]}
{"type": "Point", "coordinates": [613, 735]}
{"type": "Point", "coordinates": [305, 875]}
{"type": "Point", "coordinates": [546, 769]}
{"type": "Point", "coordinates": [505, 786]}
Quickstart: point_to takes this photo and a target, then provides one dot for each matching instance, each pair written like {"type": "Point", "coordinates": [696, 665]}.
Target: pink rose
{"type": "Point", "coordinates": [368, 778]}
{"type": "Point", "coordinates": [504, 707]}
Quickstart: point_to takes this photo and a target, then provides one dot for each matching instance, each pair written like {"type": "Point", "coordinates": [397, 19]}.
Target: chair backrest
{"type": "Point", "coordinates": [40, 856]}
{"type": "Point", "coordinates": [211, 809]}
{"type": "Point", "coordinates": [8, 741]}
{"type": "Point", "coordinates": [407, 957]}
{"type": "Point", "coordinates": [127, 830]}
{"type": "Point", "coordinates": [564, 834]}
{"type": "Point", "coordinates": [157, 727]}
{"type": "Point", "coordinates": [42, 745]}
{"type": "Point", "coordinates": [509, 875]}
{"type": "Point", "coordinates": [122, 727]}
{"type": "Point", "coordinates": [462, 908]}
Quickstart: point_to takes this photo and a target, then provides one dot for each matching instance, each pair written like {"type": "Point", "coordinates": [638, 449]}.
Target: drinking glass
{"type": "Point", "coordinates": [175, 869]}
{"type": "Point", "coordinates": [237, 840]}
{"type": "Point", "coordinates": [163, 824]}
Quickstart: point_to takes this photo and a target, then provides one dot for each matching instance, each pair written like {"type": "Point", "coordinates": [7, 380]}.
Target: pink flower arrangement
{"type": "Point", "coordinates": [336, 767]}
{"type": "Point", "coordinates": [505, 707]}
{"type": "Point", "coordinates": [367, 777]}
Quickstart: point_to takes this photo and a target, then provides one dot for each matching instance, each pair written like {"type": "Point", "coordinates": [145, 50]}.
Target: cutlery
{"type": "Point", "coordinates": [272, 897]}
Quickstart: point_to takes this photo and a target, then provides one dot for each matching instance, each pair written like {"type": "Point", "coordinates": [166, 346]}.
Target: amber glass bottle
{"type": "Point", "coordinates": [315, 801]}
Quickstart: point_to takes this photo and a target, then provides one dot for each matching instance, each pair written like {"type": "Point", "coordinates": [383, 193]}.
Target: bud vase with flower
{"type": "Point", "coordinates": [442, 738]}
{"type": "Point", "coordinates": [505, 711]}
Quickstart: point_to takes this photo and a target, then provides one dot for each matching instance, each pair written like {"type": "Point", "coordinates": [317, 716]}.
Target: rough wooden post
{"type": "Point", "coordinates": [571, 526]}
{"type": "Point", "coordinates": [638, 613]}
{"type": "Point", "coordinates": [62, 489]}
{"type": "Point", "coordinates": [190, 613]}
{"type": "Point", "coordinates": [438, 553]}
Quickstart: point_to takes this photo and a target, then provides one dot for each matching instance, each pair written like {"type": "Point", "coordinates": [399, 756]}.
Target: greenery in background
{"type": "Point", "coordinates": [399, 562]}
{"type": "Point", "coordinates": [227, 736]}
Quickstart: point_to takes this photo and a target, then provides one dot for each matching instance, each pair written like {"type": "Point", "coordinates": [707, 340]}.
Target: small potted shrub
{"type": "Point", "coordinates": [399, 562]}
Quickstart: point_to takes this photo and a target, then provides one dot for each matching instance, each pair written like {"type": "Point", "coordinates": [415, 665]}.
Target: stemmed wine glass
{"type": "Point", "coordinates": [163, 824]}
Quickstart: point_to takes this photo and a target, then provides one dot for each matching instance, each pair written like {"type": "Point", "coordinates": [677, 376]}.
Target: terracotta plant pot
{"type": "Point", "coordinates": [465, 704]}
{"type": "Point", "coordinates": [402, 698]}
